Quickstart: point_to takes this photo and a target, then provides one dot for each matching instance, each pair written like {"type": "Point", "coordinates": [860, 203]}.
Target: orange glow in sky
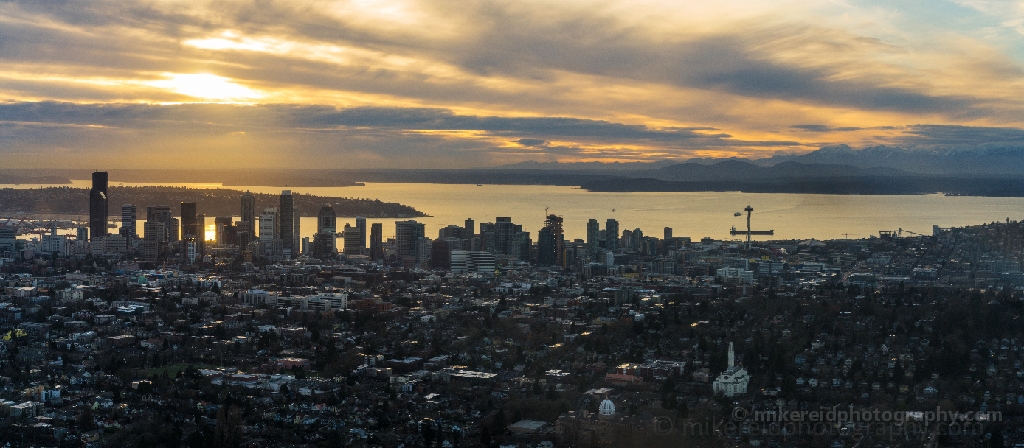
{"type": "Point", "coordinates": [411, 84]}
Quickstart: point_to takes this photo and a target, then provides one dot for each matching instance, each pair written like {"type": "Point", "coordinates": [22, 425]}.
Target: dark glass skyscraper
{"type": "Point", "coordinates": [593, 235]}
{"type": "Point", "coordinates": [376, 241]}
{"type": "Point", "coordinates": [287, 225]}
{"type": "Point", "coordinates": [327, 219]}
{"type": "Point", "coordinates": [129, 215]}
{"type": "Point", "coordinates": [361, 225]}
{"type": "Point", "coordinates": [249, 211]}
{"type": "Point", "coordinates": [549, 242]}
{"type": "Point", "coordinates": [407, 236]}
{"type": "Point", "coordinates": [189, 221]}
{"type": "Point", "coordinates": [612, 235]}
{"type": "Point", "coordinates": [98, 202]}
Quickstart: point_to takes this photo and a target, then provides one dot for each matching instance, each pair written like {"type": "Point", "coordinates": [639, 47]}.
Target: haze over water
{"type": "Point", "coordinates": [696, 215]}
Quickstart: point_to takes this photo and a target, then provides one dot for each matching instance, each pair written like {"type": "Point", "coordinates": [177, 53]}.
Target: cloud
{"type": "Point", "coordinates": [528, 142]}
{"type": "Point", "coordinates": [951, 137]}
{"type": "Point", "coordinates": [379, 136]}
{"type": "Point", "coordinates": [599, 79]}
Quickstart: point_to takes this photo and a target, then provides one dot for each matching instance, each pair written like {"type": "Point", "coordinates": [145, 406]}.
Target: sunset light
{"type": "Point", "coordinates": [206, 86]}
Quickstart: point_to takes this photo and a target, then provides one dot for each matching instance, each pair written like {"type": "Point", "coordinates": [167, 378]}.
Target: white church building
{"type": "Point", "coordinates": [733, 381]}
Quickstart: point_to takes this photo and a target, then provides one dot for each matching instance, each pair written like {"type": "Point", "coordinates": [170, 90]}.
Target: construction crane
{"type": "Point", "coordinates": [908, 231]}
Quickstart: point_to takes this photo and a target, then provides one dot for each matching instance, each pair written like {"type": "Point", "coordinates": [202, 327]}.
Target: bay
{"type": "Point", "coordinates": [696, 215]}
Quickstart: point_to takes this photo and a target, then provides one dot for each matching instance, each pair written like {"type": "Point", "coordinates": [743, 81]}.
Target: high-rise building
{"type": "Point", "coordinates": [249, 210]}
{"type": "Point", "coordinates": [98, 205]}
{"type": "Point", "coordinates": [296, 234]}
{"type": "Point", "coordinates": [128, 220]}
{"type": "Point", "coordinates": [504, 237]}
{"type": "Point", "coordinates": [470, 228]}
{"type": "Point", "coordinates": [162, 214]}
{"type": "Point", "coordinates": [440, 255]}
{"type": "Point", "coordinates": [189, 221]}
{"type": "Point", "coordinates": [635, 241]}
{"type": "Point", "coordinates": [270, 242]}
{"type": "Point", "coordinates": [193, 231]}
{"type": "Point", "coordinates": [407, 235]}
{"type": "Point", "coordinates": [325, 246]}
{"type": "Point", "coordinates": [287, 225]}
{"type": "Point", "coordinates": [353, 240]}
{"type": "Point", "coordinates": [327, 219]}
{"type": "Point", "coordinates": [225, 231]}
{"type": "Point", "coordinates": [611, 235]}
{"type": "Point", "coordinates": [361, 225]}
{"type": "Point", "coordinates": [324, 241]}
{"type": "Point", "coordinates": [376, 241]}
{"type": "Point", "coordinates": [451, 231]}
{"type": "Point", "coordinates": [269, 224]}
{"type": "Point", "coordinates": [668, 233]}
{"type": "Point", "coordinates": [550, 242]}
{"type": "Point", "coordinates": [593, 235]}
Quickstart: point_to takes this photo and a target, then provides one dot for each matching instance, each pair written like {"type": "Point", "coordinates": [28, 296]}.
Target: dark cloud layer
{"type": "Point", "coordinates": [310, 118]}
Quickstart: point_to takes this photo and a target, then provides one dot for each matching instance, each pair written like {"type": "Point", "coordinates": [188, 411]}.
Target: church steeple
{"type": "Point", "coordinates": [732, 356]}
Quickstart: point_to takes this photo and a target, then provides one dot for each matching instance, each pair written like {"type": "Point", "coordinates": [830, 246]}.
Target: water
{"type": "Point", "coordinates": [696, 215]}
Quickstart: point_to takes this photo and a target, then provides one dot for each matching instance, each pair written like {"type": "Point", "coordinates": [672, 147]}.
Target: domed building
{"type": "Point", "coordinates": [606, 409]}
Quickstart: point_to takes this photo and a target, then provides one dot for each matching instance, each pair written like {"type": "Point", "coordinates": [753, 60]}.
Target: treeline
{"type": "Point", "coordinates": [211, 202]}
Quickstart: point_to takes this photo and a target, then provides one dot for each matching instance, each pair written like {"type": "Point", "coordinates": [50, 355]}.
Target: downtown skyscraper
{"type": "Point", "coordinates": [98, 206]}
{"type": "Point", "coordinates": [129, 216]}
{"type": "Point", "coordinates": [289, 225]}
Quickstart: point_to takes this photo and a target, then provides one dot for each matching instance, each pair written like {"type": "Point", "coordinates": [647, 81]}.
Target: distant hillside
{"type": "Point", "coordinates": [738, 169]}
{"type": "Point", "coordinates": [992, 161]}
{"type": "Point", "coordinates": [211, 202]}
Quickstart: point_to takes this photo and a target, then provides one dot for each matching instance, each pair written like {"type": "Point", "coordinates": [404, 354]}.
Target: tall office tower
{"type": "Point", "coordinates": [353, 240]}
{"type": "Point", "coordinates": [172, 229]}
{"type": "Point", "coordinates": [376, 241]}
{"type": "Point", "coordinates": [440, 255]}
{"type": "Point", "coordinates": [407, 236]}
{"type": "Point", "coordinates": [269, 224]}
{"type": "Point", "coordinates": [82, 233]}
{"type": "Point", "coordinates": [162, 214]}
{"type": "Point", "coordinates": [128, 218]}
{"type": "Point", "coordinates": [470, 228]}
{"type": "Point", "coordinates": [154, 234]}
{"type": "Point", "coordinates": [225, 232]}
{"type": "Point", "coordinates": [189, 221]}
{"type": "Point", "coordinates": [636, 238]}
{"type": "Point", "coordinates": [296, 234]}
{"type": "Point", "coordinates": [327, 220]}
{"type": "Point", "coordinates": [668, 233]}
{"type": "Point", "coordinates": [593, 235]}
{"type": "Point", "coordinates": [245, 234]}
{"type": "Point", "coordinates": [612, 235]}
{"type": "Point", "coordinates": [361, 225]}
{"type": "Point", "coordinates": [249, 210]}
{"type": "Point", "coordinates": [201, 227]}
{"type": "Point", "coordinates": [451, 231]}
{"type": "Point", "coordinates": [550, 242]}
{"type": "Point", "coordinates": [98, 202]}
{"type": "Point", "coordinates": [324, 244]}
{"type": "Point", "coordinates": [287, 225]}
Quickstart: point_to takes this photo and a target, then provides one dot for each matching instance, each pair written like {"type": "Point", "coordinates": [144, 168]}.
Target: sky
{"type": "Point", "coordinates": [459, 84]}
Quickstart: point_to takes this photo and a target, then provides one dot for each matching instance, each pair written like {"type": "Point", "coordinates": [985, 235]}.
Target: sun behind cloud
{"type": "Point", "coordinates": [207, 87]}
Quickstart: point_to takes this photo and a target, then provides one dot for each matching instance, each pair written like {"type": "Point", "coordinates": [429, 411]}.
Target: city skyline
{"type": "Point", "coordinates": [430, 84]}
